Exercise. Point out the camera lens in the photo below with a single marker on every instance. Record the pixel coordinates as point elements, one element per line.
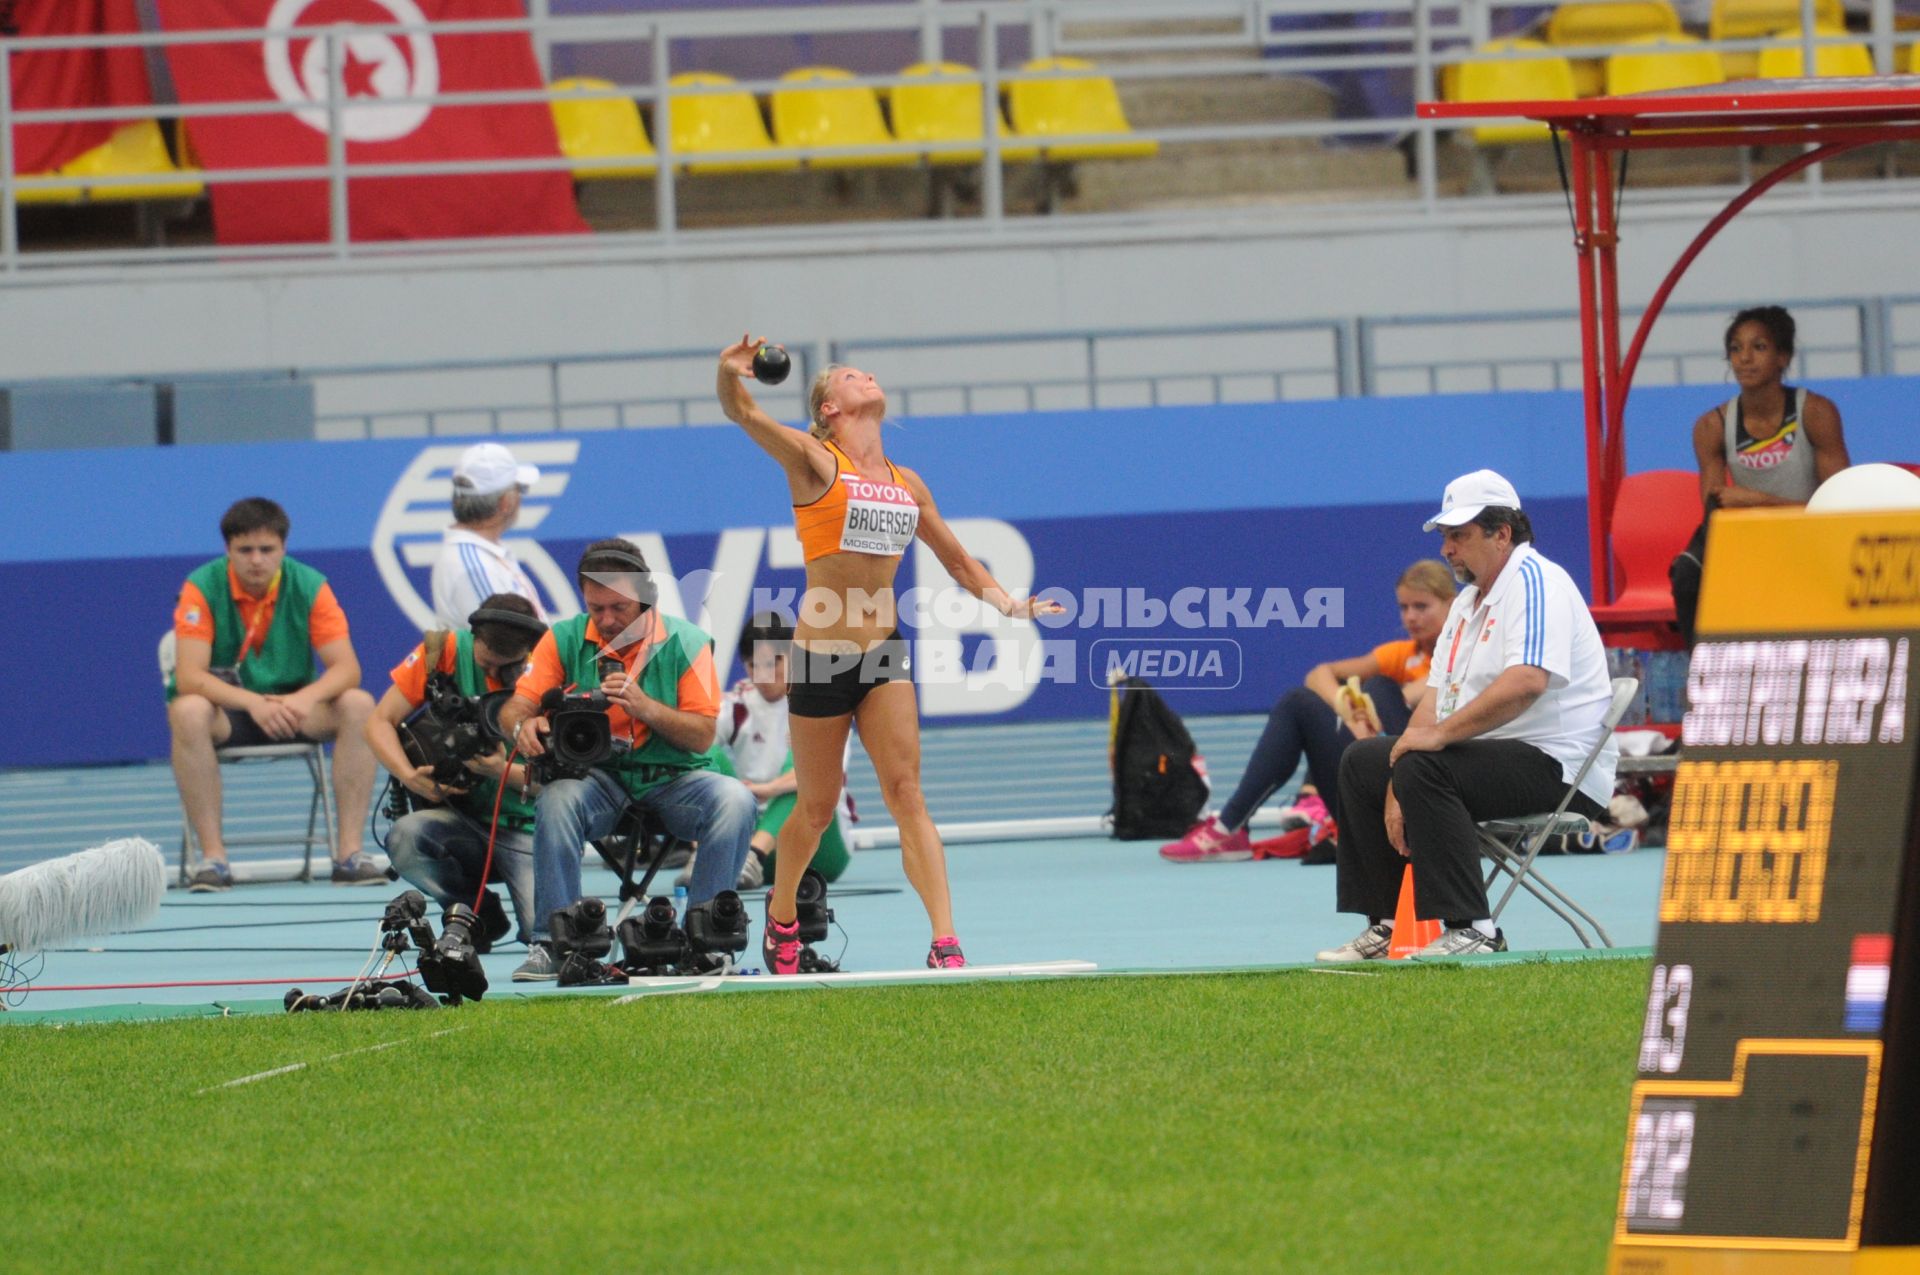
<point>658,920</point>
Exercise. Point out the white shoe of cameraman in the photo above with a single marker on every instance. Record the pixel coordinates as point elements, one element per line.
<point>539,967</point>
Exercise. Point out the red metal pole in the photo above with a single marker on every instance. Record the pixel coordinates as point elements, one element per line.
<point>1589,358</point>
<point>1700,241</point>
<point>1606,240</point>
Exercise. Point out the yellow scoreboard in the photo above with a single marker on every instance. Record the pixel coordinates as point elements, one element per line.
<point>1775,1121</point>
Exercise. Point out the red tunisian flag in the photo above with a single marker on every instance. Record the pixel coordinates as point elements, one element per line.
<point>374,66</point>
<point>49,79</point>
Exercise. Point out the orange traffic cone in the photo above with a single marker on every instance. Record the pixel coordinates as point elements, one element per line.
<point>1410,934</point>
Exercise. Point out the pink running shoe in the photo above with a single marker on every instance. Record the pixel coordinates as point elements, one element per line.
<point>1309,807</point>
<point>780,949</point>
<point>1208,842</point>
<point>945,954</point>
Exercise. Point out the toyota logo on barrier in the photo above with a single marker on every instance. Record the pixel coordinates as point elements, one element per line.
<point>373,66</point>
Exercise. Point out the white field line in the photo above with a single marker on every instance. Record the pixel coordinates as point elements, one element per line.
<point>300,1066</point>
<point>1315,969</point>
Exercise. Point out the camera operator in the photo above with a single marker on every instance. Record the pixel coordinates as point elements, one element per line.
<point>661,704</point>
<point>443,849</point>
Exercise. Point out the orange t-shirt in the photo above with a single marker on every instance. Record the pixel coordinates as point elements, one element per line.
<point>698,689</point>
<point>1403,661</point>
<point>410,675</point>
<point>193,618</point>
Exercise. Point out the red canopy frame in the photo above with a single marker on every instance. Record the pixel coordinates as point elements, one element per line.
<point>1830,117</point>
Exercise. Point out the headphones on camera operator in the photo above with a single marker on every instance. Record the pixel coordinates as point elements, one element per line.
<point>580,736</point>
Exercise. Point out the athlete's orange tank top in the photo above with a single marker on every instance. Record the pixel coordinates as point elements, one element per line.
<point>857,515</point>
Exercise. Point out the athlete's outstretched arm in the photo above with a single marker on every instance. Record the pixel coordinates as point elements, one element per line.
<point>799,453</point>
<point>966,569</point>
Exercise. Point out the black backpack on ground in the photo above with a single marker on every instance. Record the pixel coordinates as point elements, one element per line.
<point>1159,781</point>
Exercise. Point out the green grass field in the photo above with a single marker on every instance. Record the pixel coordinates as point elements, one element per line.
<point>1426,1120</point>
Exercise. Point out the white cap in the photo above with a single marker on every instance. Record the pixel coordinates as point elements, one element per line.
<point>1468,494</point>
<point>486,468</point>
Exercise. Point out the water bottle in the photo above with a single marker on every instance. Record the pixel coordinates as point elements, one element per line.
<point>680,903</point>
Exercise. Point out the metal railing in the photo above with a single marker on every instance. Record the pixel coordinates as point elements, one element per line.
<point>1418,38</point>
<point>967,374</point>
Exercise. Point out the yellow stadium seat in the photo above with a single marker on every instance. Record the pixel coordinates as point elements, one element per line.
<point>1750,19</point>
<point>713,122</point>
<point>603,136</point>
<point>1913,58</point>
<point>135,150</point>
<point>1512,80</point>
<point>1658,63</point>
<point>1086,104</point>
<point>846,116</point>
<point>946,106</point>
<point>1578,22</point>
<point>1788,61</point>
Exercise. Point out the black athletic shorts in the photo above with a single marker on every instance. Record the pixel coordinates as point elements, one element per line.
<point>824,685</point>
<point>246,732</point>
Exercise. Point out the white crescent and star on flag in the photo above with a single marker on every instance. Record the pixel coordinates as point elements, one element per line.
<point>374,66</point>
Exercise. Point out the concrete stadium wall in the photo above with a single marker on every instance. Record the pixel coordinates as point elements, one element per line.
<point>1205,268</point>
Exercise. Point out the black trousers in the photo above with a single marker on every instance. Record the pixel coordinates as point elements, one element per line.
<point>1442,795</point>
<point>1684,574</point>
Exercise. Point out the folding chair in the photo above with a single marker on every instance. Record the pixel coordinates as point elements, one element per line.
<point>1512,844</point>
<point>319,810</point>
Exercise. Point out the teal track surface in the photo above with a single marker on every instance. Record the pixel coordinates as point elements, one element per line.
<point>1114,903</point>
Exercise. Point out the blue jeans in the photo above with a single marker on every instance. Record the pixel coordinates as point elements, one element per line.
<point>703,806</point>
<point>442,851</point>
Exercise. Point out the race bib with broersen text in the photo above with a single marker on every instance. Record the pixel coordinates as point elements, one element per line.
<point>881,517</point>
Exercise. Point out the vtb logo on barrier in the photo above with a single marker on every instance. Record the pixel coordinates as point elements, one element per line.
<point>406,538</point>
<point>373,66</point>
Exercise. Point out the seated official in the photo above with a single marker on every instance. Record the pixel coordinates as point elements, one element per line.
<point>442,848</point>
<point>663,697</point>
<point>1517,698</point>
<point>247,627</point>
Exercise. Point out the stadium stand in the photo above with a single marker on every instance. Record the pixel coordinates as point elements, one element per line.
<point>1072,107</point>
<point>715,123</point>
<point>945,106</point>
<point>1491,77</point>
<point>604,136</point>
<point>830,117</point>
<point>1659,62</point>
<point>1789,61</point>
<point>1584,22</point>
<point>1749,19</point>
<point>135,150</point>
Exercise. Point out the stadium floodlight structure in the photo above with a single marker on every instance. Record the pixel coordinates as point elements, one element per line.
<point>1826,117</point>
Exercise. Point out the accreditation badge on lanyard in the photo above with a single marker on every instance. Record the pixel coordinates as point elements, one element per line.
<point>1450,688</point>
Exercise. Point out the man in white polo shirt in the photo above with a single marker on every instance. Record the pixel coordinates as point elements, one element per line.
<point>1519,695</point>
<point>473,564</point>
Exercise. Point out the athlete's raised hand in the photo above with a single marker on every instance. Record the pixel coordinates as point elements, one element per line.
<point>738,358</point>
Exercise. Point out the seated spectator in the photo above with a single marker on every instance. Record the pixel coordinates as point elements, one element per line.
<point>442,846</point>
<point>758,750</point>
<point>1769,445</point>
<point>1517,698</point>
<point>247,626</point>
<point>1309,720</point>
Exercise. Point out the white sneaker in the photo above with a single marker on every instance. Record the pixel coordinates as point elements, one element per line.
<point>1467,942</point>
<point>753,873</point>
<point>1371,944</point>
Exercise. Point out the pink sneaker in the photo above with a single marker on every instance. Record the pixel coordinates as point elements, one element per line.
<point>945,954</point>
<point>780,949</point>
<point>1208,842</point>
<point>1311,808</point>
